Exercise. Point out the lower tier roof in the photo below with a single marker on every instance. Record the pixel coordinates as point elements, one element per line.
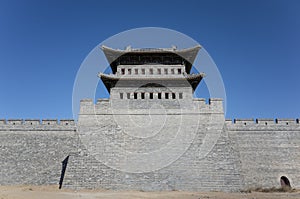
<point>110,81</point>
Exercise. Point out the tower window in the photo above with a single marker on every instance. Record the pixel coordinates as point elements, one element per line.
<point>128,95</point>
<point>121,95</point>
<point>166,95</point>
<point>143,71</point>
<point>159,95</point>
<point>151,71</point>
<point>173,96</point>
<point>179,70</point>
<point>172,71</point>
<point>136,71</point>
<point>180,95</point>
<point>143,95</point>
<point>123,71</point>
<point>159,71</point>
<point>151,96</point>
<point>129,71</point>
<point>166,71</point>
<point>135,95</point>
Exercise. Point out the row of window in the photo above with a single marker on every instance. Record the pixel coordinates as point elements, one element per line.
<point>151,71</point>
<point>151,95</point>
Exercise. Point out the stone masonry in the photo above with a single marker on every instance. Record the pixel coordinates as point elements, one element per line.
<point>151,134</point>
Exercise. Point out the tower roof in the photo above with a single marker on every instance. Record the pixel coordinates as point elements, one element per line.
<point>110,81</point>
<point>168,56</point>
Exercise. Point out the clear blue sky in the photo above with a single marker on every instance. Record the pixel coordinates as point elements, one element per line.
<point>255,44</point>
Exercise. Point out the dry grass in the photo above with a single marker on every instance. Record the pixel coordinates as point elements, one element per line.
<point>269,190</point>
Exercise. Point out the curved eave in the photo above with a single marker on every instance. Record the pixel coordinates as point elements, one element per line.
<point>110,81</point>
<point>189,54</point>
<point>112,54</point>
<point>195,79</point>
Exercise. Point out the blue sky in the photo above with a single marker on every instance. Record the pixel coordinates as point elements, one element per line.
<point>255,45</point>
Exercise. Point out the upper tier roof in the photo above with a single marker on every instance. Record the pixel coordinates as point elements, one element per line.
<point>168,56</point>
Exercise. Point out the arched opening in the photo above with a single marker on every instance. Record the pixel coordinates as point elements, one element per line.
<point>285,183</point>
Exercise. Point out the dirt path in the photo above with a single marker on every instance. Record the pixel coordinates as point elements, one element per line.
<point>50,192</point>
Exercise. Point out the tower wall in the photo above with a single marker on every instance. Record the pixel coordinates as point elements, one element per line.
<point>197,168</point>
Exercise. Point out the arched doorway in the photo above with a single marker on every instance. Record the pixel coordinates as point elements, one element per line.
<point>285,183</point>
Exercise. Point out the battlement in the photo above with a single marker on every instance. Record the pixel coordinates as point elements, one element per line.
<point>211,101</point>
<point>263,121</point>
<point>180,104</point>
<point>36,122</point>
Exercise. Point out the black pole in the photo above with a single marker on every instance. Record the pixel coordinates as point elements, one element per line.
<point>63,170</point>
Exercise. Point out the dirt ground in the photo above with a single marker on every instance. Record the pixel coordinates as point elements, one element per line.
<point>50,192</point>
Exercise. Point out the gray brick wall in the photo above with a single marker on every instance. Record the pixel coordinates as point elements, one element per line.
<point>201,166</point>
<point>247,153</point>
<point>267,150</point>
<point>32,153</point>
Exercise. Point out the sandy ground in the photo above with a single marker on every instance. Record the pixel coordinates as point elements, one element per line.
<point>50,192</point>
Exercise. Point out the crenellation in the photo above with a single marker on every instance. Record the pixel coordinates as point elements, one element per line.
<point>286,121</point>
<point>87,100</point>
<point>200,103</point>
<point>66,122</point>
<point>37,122</point>
<point>14,121</point>
<point>201,100</point>
<point>49,121</point>
<point>215,104</point>
<point>104,106</point>
<point>228,121</point>
<point>87,106</point>
<point>102,101</point>
<point>32,122</point>
<point>265,121</point>
<point>244,121</point>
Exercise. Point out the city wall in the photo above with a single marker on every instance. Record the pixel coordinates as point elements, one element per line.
<point>248,153</point>
<point>31,150</point>
<point>268,149</point>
